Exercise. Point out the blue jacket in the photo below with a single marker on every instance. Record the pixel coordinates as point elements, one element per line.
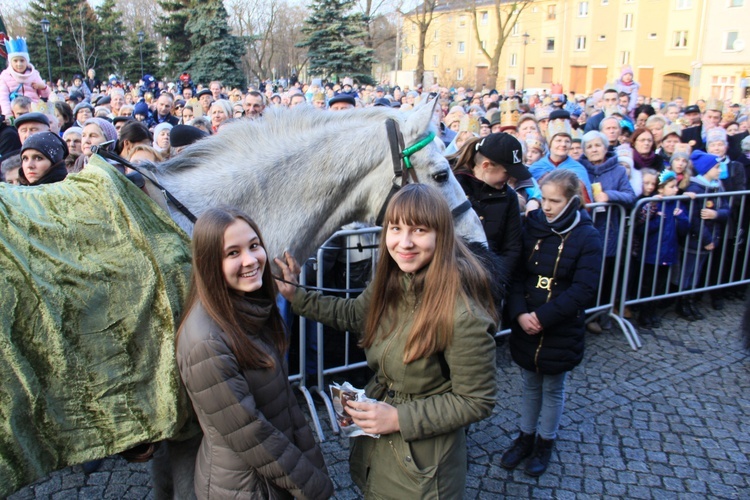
<point>545,165</point>
<point>614,180</point>
<point>673,227</point>
<point>571,262</point>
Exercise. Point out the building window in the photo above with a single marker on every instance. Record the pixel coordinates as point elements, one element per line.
<point>652,36</point>
<point>731,38</point>
<point>447,70</point>
<point>552,12</point>
<point>530,70</point>
<point>413,50</point>
<point>625,57</point>
<point>435,35</point>
<point>449,44</point>
<point>605,2</point>
<point>434,61</point>
<point>581,43</point>
<point>515,30</point>
<point>460,74</point>
<point>628,22</point>
<point>461,47</point>
<point>602,38</point>
<point>684,4</point>
<point>722,87</point>
<point>484,44</point>
<point>550,45</point>
<point>736,3</point>
<point>513,60</point>
<point>461,21</point>
<point>680,40</point>
<point>583,9</point>
<point>484,18</point>
<point>546,75</point>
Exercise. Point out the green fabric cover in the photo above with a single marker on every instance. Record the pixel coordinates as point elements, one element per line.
<point>93,276</point>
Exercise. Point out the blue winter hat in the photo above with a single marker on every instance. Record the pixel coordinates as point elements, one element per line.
<point>140,108</point>
<point>17,48</point>
<point>703,162</point>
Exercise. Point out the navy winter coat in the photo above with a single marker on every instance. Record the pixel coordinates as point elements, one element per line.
<point>673,227</point>
<point>560,301</point>
<point>706,231</point>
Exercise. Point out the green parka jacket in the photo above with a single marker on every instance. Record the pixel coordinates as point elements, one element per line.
<point>436,397</point>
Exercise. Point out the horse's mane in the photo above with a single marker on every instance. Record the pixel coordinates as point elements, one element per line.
<point>278,130</point>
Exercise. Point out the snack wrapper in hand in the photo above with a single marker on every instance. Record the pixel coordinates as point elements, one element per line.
<point>340,394</point>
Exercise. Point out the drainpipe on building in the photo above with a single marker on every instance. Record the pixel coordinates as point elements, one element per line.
<point>695,74</point>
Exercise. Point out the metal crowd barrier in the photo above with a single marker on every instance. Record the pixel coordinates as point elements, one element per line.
<point>725,266</point>
<point>610,304</point>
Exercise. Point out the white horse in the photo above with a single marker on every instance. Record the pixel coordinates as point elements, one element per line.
<point>302,173</point>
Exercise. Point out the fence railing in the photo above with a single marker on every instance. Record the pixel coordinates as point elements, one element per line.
<point>621,283</point>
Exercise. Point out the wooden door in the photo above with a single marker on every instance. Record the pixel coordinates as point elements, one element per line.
<point>598,78</point>
<point>482,72</point>
<point>577,79</point>
<point>646,80</point>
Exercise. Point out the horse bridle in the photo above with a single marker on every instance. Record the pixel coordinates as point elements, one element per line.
<point>403,168</point>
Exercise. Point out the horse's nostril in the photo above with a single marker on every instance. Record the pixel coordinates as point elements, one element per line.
<point>440,177</point>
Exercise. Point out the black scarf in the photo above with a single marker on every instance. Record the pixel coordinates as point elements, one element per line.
<point>539,226</point>
<point>57,173</point>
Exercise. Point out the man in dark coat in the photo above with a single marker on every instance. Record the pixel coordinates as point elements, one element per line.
<point>9,141</point>
<point>696,136</point>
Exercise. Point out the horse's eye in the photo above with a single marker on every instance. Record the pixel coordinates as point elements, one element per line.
<point>440,177</point>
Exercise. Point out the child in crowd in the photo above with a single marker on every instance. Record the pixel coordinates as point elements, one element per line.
<point>680,164</point>
<point>707,217</point>
<point>659,225</point>
<point>533,149</point>
<point>576,149</point>
<point>20,77</point>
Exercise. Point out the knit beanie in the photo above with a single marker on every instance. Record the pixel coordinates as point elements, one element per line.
<point>141,108</point>
<point>716,134</point>
<point>80,106</point>
<point>72,130</point>
<point>49,144</point>
<point>703,162</point>
<point>108,130</point>
<point>625,154</point>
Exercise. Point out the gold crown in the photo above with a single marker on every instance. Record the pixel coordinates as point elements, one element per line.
<point>556,127</point>
<point>715,105</point>
<point>683,148</point>
<point>469,124</point>
<point>509,113</point>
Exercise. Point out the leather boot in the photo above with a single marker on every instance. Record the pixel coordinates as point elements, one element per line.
<point>693,305</point>
<point>540,459</point>
<point>520,449</point>
<point>682,308</point>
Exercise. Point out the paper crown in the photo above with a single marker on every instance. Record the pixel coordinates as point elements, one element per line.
<point>469,124</point>
<point>666,176</point>
<point>673,128</point>
<point>729,116</point>
<point>547,101</point>
<point>509,113</point>
<point>17,48</point>
<point>683,148</point>
<point>715,105</point>
<point>557,127</point>
<point>542,113</point>
<point>624,151</point>
<point>534,141</point>
<point>716,134</point>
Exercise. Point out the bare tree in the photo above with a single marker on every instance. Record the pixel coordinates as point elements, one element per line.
<point>422,16</point>
<point>506,16</point>
<point>80,28</point>
<point>145,12</point>
<point>15,16</point>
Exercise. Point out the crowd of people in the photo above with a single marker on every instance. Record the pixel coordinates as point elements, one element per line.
<point>528,164</point>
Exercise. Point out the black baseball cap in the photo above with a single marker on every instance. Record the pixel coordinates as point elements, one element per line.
<point>692,109</point>
<point>505,150</point>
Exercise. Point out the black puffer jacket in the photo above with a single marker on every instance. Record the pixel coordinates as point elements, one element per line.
<point>560,306</point>
<point>501,218</point>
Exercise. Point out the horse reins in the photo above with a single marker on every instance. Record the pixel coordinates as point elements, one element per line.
<point>98,149</point>
<point>401,157</point>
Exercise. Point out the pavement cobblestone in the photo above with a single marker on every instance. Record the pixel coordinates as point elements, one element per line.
<point>665,422</point>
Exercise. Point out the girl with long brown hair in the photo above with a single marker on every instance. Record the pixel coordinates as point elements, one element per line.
<point>230,350</point>
<point>427,323</point>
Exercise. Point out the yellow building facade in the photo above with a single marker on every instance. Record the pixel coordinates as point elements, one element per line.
<point>583,45</point>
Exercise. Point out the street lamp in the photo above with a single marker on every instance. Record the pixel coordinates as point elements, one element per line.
<point>523,70</point>
<point>58,40</point>
<point>45,30</point>
<point>141,34</point>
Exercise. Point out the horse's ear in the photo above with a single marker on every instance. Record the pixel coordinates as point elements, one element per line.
<point>425,116</point>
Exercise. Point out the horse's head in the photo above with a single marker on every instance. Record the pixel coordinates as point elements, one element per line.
<point>431,167</point>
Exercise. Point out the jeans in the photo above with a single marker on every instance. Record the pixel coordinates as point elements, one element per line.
<point>543,402</point>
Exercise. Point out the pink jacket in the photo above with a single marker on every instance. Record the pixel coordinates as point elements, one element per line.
<point>9,82</point>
